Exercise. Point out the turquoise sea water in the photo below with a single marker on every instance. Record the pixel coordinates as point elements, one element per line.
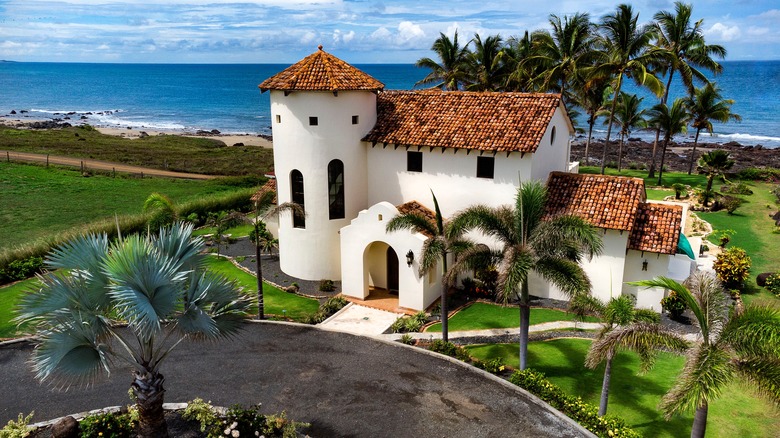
<point>226,97</point>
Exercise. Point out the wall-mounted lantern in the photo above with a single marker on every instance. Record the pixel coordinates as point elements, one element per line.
<point>409,258</point>
<point>644,265</point>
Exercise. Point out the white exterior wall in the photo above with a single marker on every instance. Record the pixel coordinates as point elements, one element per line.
<point>657,265</point>
<point>451,176</point>
<point>363,254</point>
<point>313,253</point>
<point>552,156</point>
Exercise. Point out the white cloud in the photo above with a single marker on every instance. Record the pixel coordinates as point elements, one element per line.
<point>408,31</point>
<point>722,32</point>
<point>349,36</point>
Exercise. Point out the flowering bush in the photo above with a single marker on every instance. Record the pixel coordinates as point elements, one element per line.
<point>772,284</point>
<point>493,366</point>
<point>450,349</point>
<point>107,425</point>
<point>241,422</point>
<point>674,304</point>
<point>576,409</point>
<point>732,267</point>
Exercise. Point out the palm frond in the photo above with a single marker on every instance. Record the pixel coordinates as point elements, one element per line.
<point>474,257</point>
<point>412,221</point>
<point>84,253</point>
<point>642,338</point>
<point>431,254</point>
<point>176,242</point>
<point>706,372</point>
<point>584,304</point>
<point>754,332</point>
<point>567,275</point>
<point>763,373</point>
<point>516,263</point>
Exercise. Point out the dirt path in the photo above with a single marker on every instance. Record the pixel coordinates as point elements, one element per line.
<point>86,164</point>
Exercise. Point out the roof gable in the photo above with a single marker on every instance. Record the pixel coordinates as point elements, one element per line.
<point>604,201</point>
<point>321,71</point>
<point>414,207</point>
<point>656,228</point>
<point>498,122</point>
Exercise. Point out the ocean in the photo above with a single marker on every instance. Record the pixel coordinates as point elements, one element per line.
<point>225,97</point>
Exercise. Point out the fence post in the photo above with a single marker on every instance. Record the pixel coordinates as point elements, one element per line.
<point>8,156</point>
<point>47,160</point>
<point>142,175</point>
<point>114,172</point>
<point>82,167</point>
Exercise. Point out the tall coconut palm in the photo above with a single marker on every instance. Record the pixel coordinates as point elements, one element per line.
<point>264,208</point>
<point>487,67</point>
<point>155,284</point>
<point>714,164</point>
<point>706,104</point>
<point>530,244</point>
<point>564,52</point>
<point>437,248</point>
<point>683,50</point>
<point>628,116</point>
<point>450,71</point>
<point>671,121</point>
<point>625,328</point>
<point>592,97</point>
<point>521,72</point>
<point>734,345</point>
<point>626,51</point>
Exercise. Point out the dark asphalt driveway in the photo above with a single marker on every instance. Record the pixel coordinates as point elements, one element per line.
<point>344,385</point>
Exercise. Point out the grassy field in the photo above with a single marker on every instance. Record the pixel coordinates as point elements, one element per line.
<point>38,201</point>
<point>277,302</point>
<point>737,413</point>
<point>482,316</point>
<point>171,152</point>
<point>9,296</point>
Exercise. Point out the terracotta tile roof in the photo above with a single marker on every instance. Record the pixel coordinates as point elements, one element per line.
<point>656,228</point>
<point>604,201</point>
<point>501,122</point>
<point>321,71</point>
<point>416,207</point>
<point>268,187</point>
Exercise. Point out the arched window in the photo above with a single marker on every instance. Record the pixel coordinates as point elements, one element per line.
<point>336,189</point>
<point>296,186</point>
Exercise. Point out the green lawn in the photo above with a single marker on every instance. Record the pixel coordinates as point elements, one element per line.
<point>669,178</point>
<point>237,231</point>
<point>276,301</point>
<point>482,316</point>
<point>38,201</point>
<point>737,413</point>
<point>9,296</point>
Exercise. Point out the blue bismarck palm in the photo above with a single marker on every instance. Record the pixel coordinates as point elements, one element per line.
<point>550,248</point>
<point>154,284</point>
<point>734,345</point>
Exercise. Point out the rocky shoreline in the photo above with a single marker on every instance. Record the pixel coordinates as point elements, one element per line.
<point>637,154</point>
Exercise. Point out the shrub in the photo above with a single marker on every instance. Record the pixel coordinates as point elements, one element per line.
<point>200,411</point>
<point>450,349</point>
<point>21,269</point>
<point>241,421</point>
<point>739,188</point>
<point>732,267</point>
<point>731,203</point>
<point>493,366</point>
<point>756,174</point>
<point>406,324</point>
<point>679,190</point>
<point>327,285</point>
<point>585,414</point>
<point>772,284</point>
<point>407,339</point>
<point>17,429</point>
<point>674,304</point>
<point>107,425</point>
<point>326,309</point>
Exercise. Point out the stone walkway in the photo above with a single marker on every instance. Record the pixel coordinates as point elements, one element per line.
<point>360,320</point>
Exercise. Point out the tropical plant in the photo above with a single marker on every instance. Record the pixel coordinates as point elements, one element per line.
<point>592,95</point>
<point>221,221</point>
<point>705,105</point>
<point>450,72</point>
<point>714,164</point>
<point>487,69</point>
<point>772,284</point>
<point>437,248</point>
<point>628,115</point>
<point>674,305</point>
<point>732,267</point>
<point>743,344</point>
<point>626,52</point>
<point>522,72</point>
<point>162,210</point>
<point>155,284</point>
<point>682,49</point>
<point>672,121</point>
<point>550,248</point>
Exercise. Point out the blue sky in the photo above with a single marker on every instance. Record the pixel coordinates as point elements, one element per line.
<point>359,31</point>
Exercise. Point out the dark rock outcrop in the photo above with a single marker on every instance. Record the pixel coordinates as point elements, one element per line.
<point>67,427</point>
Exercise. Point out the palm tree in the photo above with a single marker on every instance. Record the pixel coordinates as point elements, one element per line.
<point>156,284</point>
<point>706,105</point>
<point>591,96</point>
<point>487,69</point>
<point>439,245</point>
<point>563,52</point>
<point>683,50</point>
<point>671,121</point>
<point>714,164</point>
<point>626,52</point>
<point>550,248</point>
<point>735,344</point>
<point>162,210</point>
<point>625,327</point>
<point>628,116</point>
<point>450,72</point>
<point>263,210</point>
<point>522,72</point>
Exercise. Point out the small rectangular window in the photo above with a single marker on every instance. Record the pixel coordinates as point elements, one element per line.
<point>278,118</point>
<point>313,121</point>
<point>485,167</point>
<point>413,161</point>
<point>354,120</point>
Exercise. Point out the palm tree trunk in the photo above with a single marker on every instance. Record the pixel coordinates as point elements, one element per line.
<point>693,153</point>
<point>620,153</point>
<point>525,317</point>
<point>699,422</point>
<point>663,158</point>
<point>591,122</point>
<point>445,315</point>
<point>651,174</point>
<point>605,387</point>
<point>259,270</point>
<point>611,119</point>
<point>149,393</point>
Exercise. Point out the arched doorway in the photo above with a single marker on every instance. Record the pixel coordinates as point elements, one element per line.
<point>392,271</point>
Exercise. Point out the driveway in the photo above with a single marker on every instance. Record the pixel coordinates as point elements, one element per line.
<point>345,385</point>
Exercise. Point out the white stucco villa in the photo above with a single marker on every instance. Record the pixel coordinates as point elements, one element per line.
<point>355,155</point>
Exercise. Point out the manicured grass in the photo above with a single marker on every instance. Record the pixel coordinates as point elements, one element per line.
<point>669,178</point>
<point>737,413</point>
<point>9,296</point>
<point>482,316</point>
<point>38,201</point>
<point>276,301</point>
<point>171,152</point>
<point>237,231</point>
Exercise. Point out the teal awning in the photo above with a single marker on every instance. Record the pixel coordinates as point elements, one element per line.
<point>684,247</point>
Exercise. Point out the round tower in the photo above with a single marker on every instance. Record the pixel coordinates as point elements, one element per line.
<point>321,108</point>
